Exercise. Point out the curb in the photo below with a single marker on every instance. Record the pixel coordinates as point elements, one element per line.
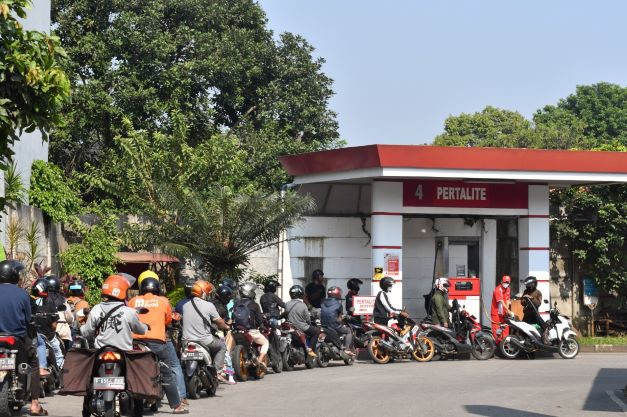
<point>603,348</point>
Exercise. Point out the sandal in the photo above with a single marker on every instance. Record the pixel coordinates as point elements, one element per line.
<point>181,409</point>
<point>40,412</point>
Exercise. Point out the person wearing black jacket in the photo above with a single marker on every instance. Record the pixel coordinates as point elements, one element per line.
<point>383,310</point>
<point>248,293</point>
<point>46,318</point>
<point>270,303</point>
<point>353,285</point>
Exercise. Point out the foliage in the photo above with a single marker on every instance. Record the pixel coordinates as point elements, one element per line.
<point>617,340</point>
<point>207,76</point>
<point>594,219</point>
<point>93,259</point>
<point>176,295</point>
<point>13,188</point>
<point>54,194</point>
<point>33,86</point>
<point>15,230</point>
<point>261,279</point>
<point>31,237</point>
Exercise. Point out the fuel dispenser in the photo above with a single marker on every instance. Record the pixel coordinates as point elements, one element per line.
<point>467,292</point>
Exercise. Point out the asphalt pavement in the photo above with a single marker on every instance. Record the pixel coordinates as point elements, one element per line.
<point>590,385</point>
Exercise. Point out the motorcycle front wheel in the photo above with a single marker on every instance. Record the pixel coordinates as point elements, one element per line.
<point>429,352</point>
<point>508,348</point>
<point>285,357</point>
<point>483,347</point>
<point>323,357</point>
<point>377,351</point>
<point>194,386</point>
<point>568,348</point>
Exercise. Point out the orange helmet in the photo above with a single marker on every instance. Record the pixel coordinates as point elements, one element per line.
<point>115,286</point>
<point>506,279</point>
<point>202,289</point>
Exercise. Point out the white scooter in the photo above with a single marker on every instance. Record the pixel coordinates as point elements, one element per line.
<point>553,335</point>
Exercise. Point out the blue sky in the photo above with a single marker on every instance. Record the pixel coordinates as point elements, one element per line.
<point>401,67</point>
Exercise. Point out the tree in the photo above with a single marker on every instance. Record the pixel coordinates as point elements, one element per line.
<point>206,68</point>
<point>33,86</point>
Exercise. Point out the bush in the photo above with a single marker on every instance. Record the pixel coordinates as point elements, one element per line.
<point>52,192</point>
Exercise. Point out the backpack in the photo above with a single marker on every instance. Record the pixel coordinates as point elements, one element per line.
<point>242,314</point>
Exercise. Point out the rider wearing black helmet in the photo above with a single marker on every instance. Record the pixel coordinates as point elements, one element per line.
<point>315,291</point>
<point>66,318</point>
<point>297,313</point>
<point>353,285</point>
<point>331,315</point>
<point>15,316</point>
<point>533,298</point>
<point>383,310</point>
<point>254,320</point>
<point>270,302</point>
<point>187,290</point>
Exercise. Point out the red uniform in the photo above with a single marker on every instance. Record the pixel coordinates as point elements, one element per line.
<point>500,300</point>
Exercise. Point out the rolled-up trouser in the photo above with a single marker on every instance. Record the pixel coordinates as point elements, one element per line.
<point>42,353</point>
<point>312,333</point>
<point>260,339</point>
<point>169,377</point>
<point>175,365</point>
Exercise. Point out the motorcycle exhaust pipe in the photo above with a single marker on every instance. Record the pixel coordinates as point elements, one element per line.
<point>387,345</point>
<point>518,344</point>
<point>24,369</point>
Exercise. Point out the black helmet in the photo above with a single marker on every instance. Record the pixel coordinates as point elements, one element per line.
<point>189,283</point>
<point>271,286</point>
<point>150,285</point>
<point>334,292</point>
<point>40,288</point>
<point>317,274</point>
<point>248,290</point>
<point>10,271</point>
<point>77,288</point>
<point>229,282</point>
<point>54,285</point>
<point>297,292</point>
<point>354,284</point>
<point>224,293</point>
<point>531,283</point>
<point>386,283</point>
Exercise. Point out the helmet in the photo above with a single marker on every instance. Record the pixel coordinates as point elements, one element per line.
<point>146,274</point>
<point>202,289</point>
<point>317,274</point>
<point>128,277</point>
<point>248,290</point>
<point>54,285</point>
<point>386,284</point>
<point>442,284</point>
<point>334,292</point>
<point>354,284</point>
<point>506,279</point>
<point>149,285</point>
<point>40,288</point>
<point>531,282</point>
<point>225,293</point>
<point>10,271</point>
<point>189,283</point>
<point>229,282</point>
<point>77,288</point>
<point>271,286</point>
<point>115,286</point>
<point>296,291</point>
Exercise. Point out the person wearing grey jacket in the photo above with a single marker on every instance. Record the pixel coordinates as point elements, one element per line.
<point>297,313</point>
<point>118,330</point>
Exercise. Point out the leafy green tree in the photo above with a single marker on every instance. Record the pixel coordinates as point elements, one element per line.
<point>33,86</point>
<point>203,68</point>
<point>52,192</point>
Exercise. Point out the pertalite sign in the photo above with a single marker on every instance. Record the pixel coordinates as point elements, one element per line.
<point>429,193</point>
<point>364,306</point>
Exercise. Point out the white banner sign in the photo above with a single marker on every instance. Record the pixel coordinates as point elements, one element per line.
<point>363,306</point>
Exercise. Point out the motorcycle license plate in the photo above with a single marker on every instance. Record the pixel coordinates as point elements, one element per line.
<point>109,383</point>
<point>192,356</point>
<point>7,364</point>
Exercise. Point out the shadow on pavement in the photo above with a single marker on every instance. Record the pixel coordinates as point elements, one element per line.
<point>496,411</point>
<point>607,379</point>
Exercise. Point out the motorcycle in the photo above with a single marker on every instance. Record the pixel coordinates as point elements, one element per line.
<point>274,350</point>
<point>403,339</point>
<point>14,376</point>
<point>294,347</point>
<point>54,379</point>
<point>467,335</point>
<point>557,335</point>
<point>200,372</point>
<point>361,332</point>
<point>332,348</point>
<point>245,356</point>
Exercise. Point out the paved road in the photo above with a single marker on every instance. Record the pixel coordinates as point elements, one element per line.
<point>538,388</point>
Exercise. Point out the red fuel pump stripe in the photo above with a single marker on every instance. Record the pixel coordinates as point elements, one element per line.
<point>387,247</point>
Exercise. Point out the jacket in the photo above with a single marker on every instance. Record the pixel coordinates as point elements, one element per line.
<point>159,315</point>
<point>118,329</point>
<point>382,307</point>
<point>270,303</point>
<point>297,313</point>
<point>330,313</point>
<point>440,308</point>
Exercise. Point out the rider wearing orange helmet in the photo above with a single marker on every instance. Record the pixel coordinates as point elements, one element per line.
<point>500,309</point>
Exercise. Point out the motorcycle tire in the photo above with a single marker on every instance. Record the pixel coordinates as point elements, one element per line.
<point>213,379</point>
<point>239,363</point>
<point>309,362</point>
<point>420,356</point>
<point>5,408</point>
<point>277,362</point>
<point>570,351</point>
<point>483,347</point>
<point>194,386</point>
<point>377,353</point>
<point>349,361</point>
<point>323,357</point>
<point>285,358</point>
<point>507,349</point>
<point>109,409</point>
<point>258,371</point>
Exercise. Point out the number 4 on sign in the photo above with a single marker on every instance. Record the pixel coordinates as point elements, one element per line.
<point>418,192</point>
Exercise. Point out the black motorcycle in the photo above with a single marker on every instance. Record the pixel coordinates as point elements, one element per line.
<point>331,347</point>
<point>14,376</point>
<point>200,371</point>
<point>294,347</point>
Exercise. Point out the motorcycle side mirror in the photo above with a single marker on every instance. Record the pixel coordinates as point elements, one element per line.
<point>61,307</point>
<point>546,301</point>
<point>142,310</point>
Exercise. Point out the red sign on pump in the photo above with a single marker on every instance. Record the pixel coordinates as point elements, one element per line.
<point>430,193</point>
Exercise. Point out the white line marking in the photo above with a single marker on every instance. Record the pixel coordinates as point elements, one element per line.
<point>617,400</point>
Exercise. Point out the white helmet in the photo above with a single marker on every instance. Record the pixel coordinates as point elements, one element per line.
<point>442,284</point>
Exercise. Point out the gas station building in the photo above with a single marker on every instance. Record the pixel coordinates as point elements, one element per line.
<point>412,212</point>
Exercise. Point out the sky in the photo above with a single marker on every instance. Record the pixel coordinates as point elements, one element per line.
<point>400,68</point>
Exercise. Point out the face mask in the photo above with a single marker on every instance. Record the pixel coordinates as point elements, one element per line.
<point>505,285</point>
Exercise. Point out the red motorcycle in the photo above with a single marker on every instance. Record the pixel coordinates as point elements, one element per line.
<point>294,347</point>
<point>401,340</point>
<point>245,356</point>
